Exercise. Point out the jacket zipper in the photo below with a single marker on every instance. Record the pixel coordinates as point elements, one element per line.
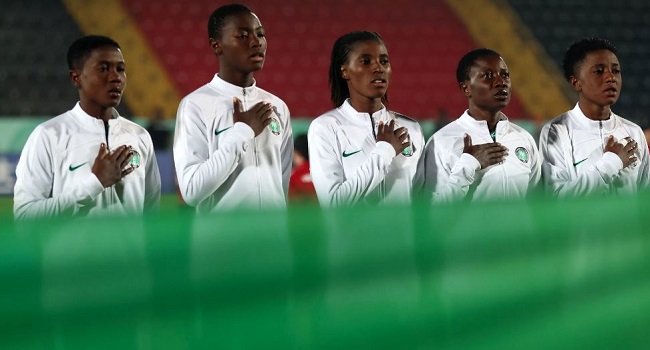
<point>257,170</point>
<point>372,126</point>
<point>600,127</point>
<point>106,133</point>
<point>382,186</point>
<point>110,189</point>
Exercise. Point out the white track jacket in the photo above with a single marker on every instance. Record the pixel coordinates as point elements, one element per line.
<point>221,165</point>
<point>450,174</point>
<point>574,163</point>
<point>54,174</point>
<point>347,164</point>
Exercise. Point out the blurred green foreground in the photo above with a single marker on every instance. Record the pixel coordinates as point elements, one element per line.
<point>537,275</point>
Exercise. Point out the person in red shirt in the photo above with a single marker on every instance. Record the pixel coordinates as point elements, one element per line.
<point>301,187</point>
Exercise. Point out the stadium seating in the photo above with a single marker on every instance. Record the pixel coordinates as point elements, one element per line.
<point>557,23</point>
<point>424,38</point>
<point>34,36</point>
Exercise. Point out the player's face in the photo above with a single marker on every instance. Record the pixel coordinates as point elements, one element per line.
<point>367,71</point>
<point>101,80</point>
<point>598,79</point>
<point>242,46</point>
<point>488,87</point>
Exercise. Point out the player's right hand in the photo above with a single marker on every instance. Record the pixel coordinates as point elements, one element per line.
<point>111,167</point>
<point>624,152</point>
<point>487,153</point>
<point>258,117</point>
<point>398,138</point>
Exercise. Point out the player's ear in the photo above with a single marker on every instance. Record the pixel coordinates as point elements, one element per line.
<point>344,72</point>
<point>575,83</point>
<point>464,87</point>
<point>74,78</point>
<point>216,46</point>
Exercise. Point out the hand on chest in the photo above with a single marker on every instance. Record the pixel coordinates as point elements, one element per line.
<point>77,159</point>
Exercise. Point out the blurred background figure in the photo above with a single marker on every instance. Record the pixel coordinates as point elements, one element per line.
<point>301,187</point>
<point>159,130</point>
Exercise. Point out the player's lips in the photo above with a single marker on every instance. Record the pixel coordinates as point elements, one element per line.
<point>611,90</point>
<point>380,82</point>
<point>257,57</point>
<point>501,94</point>
<point>115,92</point>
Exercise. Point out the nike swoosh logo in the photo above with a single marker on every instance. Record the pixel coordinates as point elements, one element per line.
<point>576,164</point>
<point>345,155</point>
<point>73,168</point>
<point>217,132</point>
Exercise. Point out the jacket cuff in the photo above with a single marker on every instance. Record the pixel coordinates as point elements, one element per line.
<point>466,167</point>
<point>609,166</point>
<point>241,132</point>
<point>92,186</point>
<point>468,161</point>
<point>385,151</point>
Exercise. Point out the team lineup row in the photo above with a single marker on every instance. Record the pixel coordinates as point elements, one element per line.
<point>233,141</point>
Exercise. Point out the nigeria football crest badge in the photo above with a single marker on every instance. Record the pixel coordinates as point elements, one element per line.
<point>522,154</point>
<point>408,151</point>
<point>135,159</point>
<point>274,126</point>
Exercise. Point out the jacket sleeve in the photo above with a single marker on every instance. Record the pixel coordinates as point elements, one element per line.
<point>644,162</point>
<point>35,180</point>
<point>287,152</point>
<point>333,186</point>
<point>152,179</point>
<point>200,171</point>
<point>558,171</point>
<point>448,176</point>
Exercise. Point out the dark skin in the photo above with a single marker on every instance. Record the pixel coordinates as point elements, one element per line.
<point>241,50</point>
<point>101,81</point>
<point>367,73</point>
<point>488,92</point>
<point>598,82</point>
<point>398,138</point>
<point>624,152</point>
<point>111,167</point>
<point>258,117</point>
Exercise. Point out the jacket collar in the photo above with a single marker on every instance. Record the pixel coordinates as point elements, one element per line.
<point>359,118</point>
<point>470,123</point>
<point>90,122</point>
<point>231,90</point>
<point>607,125</point>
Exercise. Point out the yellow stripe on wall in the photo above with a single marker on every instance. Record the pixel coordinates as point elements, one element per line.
<point>149,88</point>
<point>536,79</point>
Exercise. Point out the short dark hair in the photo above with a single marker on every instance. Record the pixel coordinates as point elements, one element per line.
<point>81,48</point>
<point>218,18</point>
<point>467,61</point>
<point>340,51</point>
<point>578,50</point>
